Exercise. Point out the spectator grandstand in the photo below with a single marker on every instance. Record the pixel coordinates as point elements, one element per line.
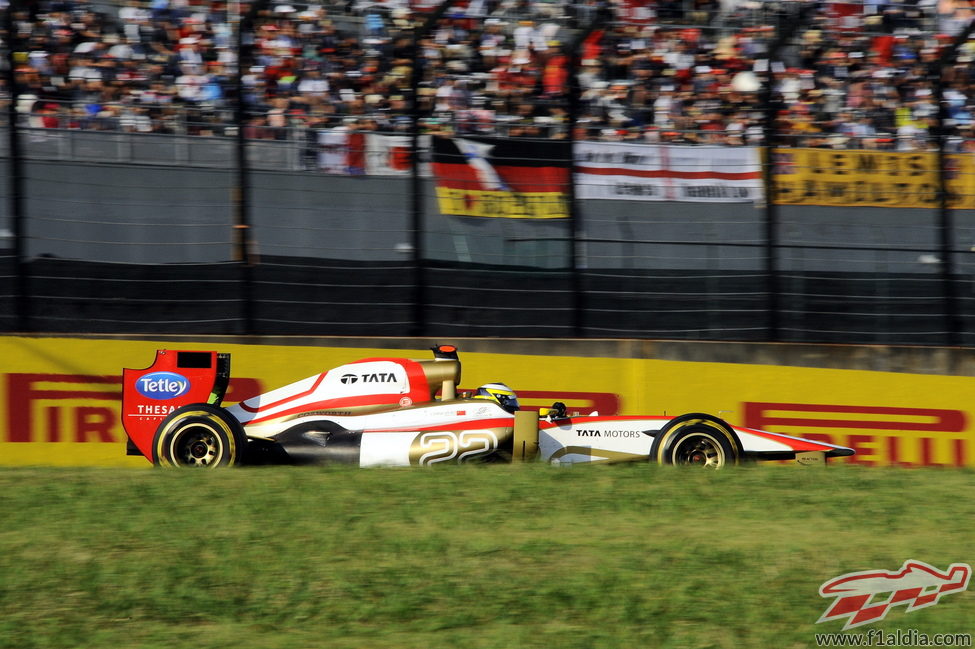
<point>857,74</point>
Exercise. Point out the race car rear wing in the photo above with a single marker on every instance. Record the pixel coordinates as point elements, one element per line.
<point>175,379</point>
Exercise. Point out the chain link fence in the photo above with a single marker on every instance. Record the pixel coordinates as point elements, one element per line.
<point>647,196</point>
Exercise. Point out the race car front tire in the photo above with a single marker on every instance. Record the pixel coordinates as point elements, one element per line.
<point>696,440</point>
<point>199,435</point>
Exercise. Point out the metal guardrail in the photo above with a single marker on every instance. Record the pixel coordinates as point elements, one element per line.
<point>68,145</point>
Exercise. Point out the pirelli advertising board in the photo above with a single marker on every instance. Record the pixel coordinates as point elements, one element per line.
<point>60,398</point>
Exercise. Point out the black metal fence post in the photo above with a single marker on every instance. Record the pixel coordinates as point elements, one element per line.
<point>16,178</point>
<point>575,280</point>
<point>419,326</point>
<point>786,26</point>
<point>241,193</point>
<point>601,17</point>
<point>772,322</point>
<point>945,223</point>
<point>953,326</point>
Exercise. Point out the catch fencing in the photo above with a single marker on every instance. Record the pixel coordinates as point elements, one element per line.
<point>447,223</point>
<point>650,241</point>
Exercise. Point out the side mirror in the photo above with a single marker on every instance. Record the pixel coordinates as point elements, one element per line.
<point>557,411</point>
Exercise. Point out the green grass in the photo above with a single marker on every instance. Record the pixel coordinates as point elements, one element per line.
<point>468,557</point>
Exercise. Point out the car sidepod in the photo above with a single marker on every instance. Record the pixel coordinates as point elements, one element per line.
<point>445,432</point>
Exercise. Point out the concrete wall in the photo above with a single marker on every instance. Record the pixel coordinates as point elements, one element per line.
<point>141,214</point>
<point>165,214</point>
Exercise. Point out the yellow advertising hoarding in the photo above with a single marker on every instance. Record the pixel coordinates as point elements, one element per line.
<point>59,398</point>
<point>870,178</point>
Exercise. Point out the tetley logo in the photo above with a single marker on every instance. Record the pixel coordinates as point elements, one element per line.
<point>162,385</point>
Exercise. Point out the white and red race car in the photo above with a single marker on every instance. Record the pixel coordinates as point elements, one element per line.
<point>402,412</point>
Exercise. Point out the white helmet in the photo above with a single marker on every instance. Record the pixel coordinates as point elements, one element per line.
<point>500,394</point>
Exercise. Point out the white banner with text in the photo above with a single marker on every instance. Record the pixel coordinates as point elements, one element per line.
<point>658,172</point>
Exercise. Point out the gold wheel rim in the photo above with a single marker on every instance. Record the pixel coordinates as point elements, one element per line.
<point>196,445</point>
<point>699,450</point>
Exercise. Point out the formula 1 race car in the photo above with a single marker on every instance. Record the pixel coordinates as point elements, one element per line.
<point>387,412</point>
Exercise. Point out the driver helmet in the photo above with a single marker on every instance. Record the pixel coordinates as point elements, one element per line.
<point>500,394</point>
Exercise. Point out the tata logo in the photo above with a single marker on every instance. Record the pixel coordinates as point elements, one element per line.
<point>608,433</point>
<point>162,385</point>
<point>379,377</point>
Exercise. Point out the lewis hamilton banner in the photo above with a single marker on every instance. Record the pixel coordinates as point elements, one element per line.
<point>658,172</point>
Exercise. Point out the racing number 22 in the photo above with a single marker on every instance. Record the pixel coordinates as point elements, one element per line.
<point>448,446</point>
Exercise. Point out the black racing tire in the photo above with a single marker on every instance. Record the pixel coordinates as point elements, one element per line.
<point>199,435</point>
<point>697,439</point>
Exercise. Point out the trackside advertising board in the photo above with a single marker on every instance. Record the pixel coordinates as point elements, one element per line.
<point>59,398</point>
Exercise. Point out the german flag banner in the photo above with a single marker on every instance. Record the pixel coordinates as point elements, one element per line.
<point>508,178</point>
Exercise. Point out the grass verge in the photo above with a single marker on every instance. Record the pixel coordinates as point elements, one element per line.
<point>475,557</point>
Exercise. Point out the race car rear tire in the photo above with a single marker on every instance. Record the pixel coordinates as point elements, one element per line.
<point>199,435</point>
<point>696,439</point>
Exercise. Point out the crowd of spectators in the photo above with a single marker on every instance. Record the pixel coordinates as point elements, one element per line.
<point>688,71</point>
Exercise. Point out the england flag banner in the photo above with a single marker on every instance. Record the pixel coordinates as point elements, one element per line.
<point>662,172</point>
